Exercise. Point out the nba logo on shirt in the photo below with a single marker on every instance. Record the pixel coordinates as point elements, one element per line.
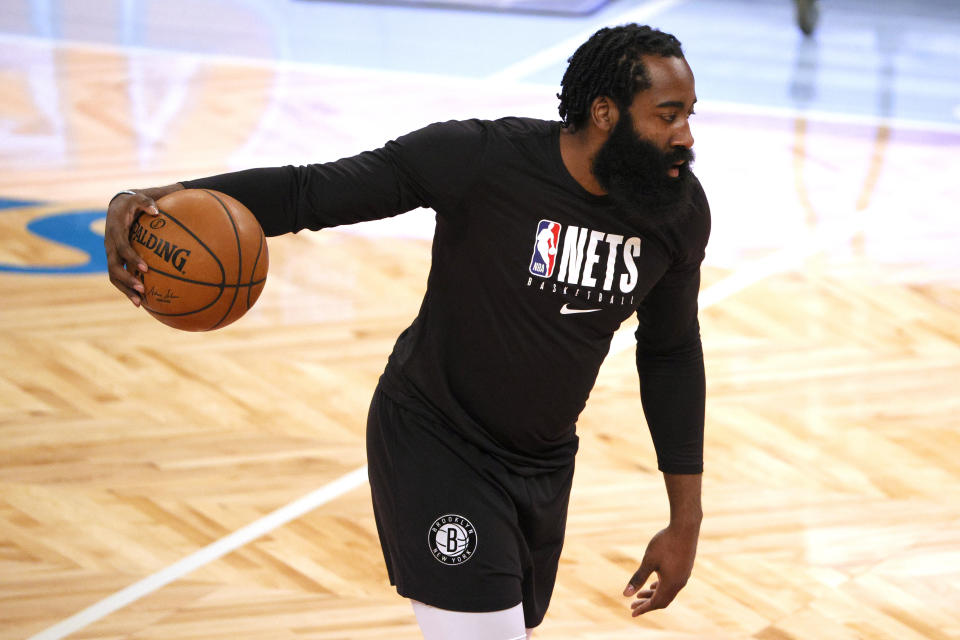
<point>545,249</point>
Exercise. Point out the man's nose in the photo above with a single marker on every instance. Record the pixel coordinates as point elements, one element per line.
<point>683,137</point>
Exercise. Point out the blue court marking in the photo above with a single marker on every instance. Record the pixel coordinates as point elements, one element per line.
<point>7,203</point>
<point>71,228</point>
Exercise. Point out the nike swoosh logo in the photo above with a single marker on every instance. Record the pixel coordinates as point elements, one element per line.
<point>566,310</point>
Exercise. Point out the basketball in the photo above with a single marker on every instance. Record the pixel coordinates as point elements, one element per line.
<point>206,256</point>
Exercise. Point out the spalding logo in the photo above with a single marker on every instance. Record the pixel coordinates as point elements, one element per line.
<point>168,252</point>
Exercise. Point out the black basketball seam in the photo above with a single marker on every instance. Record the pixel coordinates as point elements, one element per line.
<point>253,270</point>
<point>236,235</point>
<point>205,284</point>
<point>223,274</point>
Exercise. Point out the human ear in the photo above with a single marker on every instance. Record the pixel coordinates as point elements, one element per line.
<point>604,113</point>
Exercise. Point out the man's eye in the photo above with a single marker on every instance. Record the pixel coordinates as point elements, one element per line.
<point>669,117</point>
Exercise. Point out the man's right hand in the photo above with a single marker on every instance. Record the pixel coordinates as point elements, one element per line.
<point>122,259</point>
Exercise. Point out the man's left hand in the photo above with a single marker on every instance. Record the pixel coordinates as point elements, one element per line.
<point>670,555</point>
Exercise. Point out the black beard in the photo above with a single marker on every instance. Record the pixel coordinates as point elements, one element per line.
<point>633,171</point>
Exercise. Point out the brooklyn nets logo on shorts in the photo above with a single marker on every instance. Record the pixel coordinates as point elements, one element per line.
<point>452,539</point>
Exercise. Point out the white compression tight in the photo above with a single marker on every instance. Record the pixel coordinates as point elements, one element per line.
<point>440,624</point>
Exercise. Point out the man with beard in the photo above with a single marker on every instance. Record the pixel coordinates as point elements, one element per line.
<point>471,434</point>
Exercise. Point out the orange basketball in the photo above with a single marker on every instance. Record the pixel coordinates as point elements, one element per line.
<point>207,259</point>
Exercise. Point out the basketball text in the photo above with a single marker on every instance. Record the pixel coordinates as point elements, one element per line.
<point>176,256</point>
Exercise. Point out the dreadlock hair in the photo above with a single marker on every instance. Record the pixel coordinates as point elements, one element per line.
<point>609,64</point>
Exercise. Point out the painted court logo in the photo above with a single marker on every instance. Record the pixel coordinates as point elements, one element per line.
<point>545,248</point>
<point>452,539</point>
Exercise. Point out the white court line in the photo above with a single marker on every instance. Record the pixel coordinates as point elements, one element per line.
<point>737,281</point>
<point>541,60</point>
<point>734,283</point>
<point>564,49</point>
<point>830,117</point>
<point>442,80</point>
<point>205,555</point>
<point>755,271</point>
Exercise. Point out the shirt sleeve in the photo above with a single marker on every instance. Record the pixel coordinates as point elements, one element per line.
<point>670,355</point>
<point>670,366</point>
<point>430,167</point>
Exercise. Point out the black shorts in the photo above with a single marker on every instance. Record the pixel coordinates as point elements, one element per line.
<point>459,531</point>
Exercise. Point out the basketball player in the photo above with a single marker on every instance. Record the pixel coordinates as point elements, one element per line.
<point>471,433</point>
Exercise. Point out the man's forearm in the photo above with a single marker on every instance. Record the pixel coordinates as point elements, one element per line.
<point>683,492</point>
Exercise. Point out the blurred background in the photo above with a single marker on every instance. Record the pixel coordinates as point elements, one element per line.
<point>830,313</point>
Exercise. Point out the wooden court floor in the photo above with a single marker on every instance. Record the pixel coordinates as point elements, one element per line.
<point>831,324</point>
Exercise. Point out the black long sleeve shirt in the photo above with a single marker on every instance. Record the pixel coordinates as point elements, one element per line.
<point>531,276</point>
